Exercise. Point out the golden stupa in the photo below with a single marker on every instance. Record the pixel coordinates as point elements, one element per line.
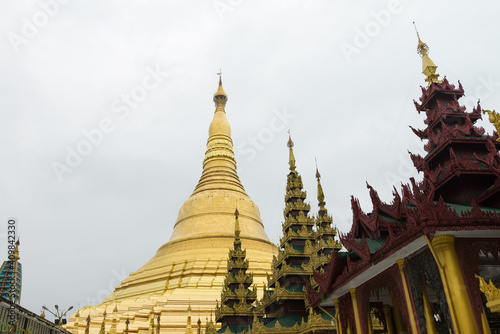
<point>189,270</point>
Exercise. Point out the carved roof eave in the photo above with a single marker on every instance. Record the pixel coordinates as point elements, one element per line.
<point>489,193</point>
<point>418,161</point>
<point>474,219</point>
<point>436,116</point>
<point>443,87</point>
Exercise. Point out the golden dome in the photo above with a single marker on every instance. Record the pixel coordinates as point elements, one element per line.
<point>192,265</point>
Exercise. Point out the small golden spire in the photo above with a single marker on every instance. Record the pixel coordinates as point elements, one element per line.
<point>16,251</point>
<point>291,160</point>
<point>87,326</point>
<point>237,230</point>
<point>220,97</point>
<point>43,314</point>
<point>126,325</point>
<point>189,329</point>
<point>321,195</point>
<point>428,66</point>
<point>103,324</point>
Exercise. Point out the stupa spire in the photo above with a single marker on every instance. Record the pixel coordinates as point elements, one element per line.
<point>87,326</point>
<point>321,195</point>
<point>236,307</point>
<point>237,230</point>
<point>103,324</point>
<point>189,328</point>
<point>219,164</point>
<point>428,66</point>
<point>291,160</point>
<point>75,326</point>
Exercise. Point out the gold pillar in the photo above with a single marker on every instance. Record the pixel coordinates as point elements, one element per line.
<point>399,324</point>
<point>411,315</point>
<point>388,319</point>
<point>349,327</point>
<point>444,246</point>
<point>429,317</point>
<point>356,310</point>
<point>337,316</point>
<point>484,321</point>
<point>369,319</point>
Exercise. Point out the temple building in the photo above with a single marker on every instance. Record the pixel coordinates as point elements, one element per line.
<point>191,268</point>
<point>413,264</point>
<point>11,277</point>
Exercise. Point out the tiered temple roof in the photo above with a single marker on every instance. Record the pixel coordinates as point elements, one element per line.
<point>236,310</point>
<point>303,248</point>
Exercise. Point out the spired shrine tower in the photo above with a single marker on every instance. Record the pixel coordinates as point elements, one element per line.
<point>189,270</point>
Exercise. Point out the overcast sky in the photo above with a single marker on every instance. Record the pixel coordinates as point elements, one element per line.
<point>341,75</point>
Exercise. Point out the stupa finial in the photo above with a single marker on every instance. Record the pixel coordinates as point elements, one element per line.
<point>428,66</point>
<point>291,160</point>
<point>237,230</point>
<point>220,97</point>
<point>321,195</point>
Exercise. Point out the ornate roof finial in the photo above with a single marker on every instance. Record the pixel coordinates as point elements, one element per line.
<point>428,66</point>
<point>189,329</point>
<point>87,326</point>
<point>220,97</point>
<point>16,251</point>
<point>237,230</point>
<point>321,195</point>
<point>291,160</point>
<point>103,324</point>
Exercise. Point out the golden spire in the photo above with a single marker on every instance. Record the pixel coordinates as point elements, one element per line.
<point>43,314</point>
<point>87,327</point>
<point>219,164</point>
<point>220,125</point>
<point>77,318</point>
<point>189,329</point>
<point>151,324</point>
<point>112,330</point>
<point>428,66</point>
<point>321,195</point>
<point>237,230</point>
<point>16,251</point>
<point>103,324</point>
<point>291,160</point>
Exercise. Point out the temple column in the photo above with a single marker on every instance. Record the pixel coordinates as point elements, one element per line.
<point>369,319</point>
<point>349,327</point>
<point>388,319</point>
<point>429,317</point>
<point>411,314</point>
<point>337,316</point>
<point>399,324</point>
<point>356,310</point>
<point>484,322</point>
<point>444,247</point>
